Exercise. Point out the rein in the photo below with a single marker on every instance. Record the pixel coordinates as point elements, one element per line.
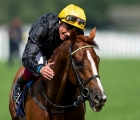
<point>84,93</point>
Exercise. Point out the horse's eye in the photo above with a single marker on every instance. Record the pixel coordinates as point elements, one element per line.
<point>79,63</point>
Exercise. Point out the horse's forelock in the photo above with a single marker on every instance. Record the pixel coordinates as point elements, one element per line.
<point>88,40</point>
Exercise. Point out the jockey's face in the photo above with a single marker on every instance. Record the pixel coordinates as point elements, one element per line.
<point>64,31</point>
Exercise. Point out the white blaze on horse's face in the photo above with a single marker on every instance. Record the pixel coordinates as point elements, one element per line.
<point>94,70</point>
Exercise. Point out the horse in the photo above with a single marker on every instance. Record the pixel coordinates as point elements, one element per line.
<point>76,81</point>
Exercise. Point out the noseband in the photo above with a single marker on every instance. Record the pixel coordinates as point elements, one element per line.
<point>85,91</point>
<point>84,95</point>
<point>82,82</point>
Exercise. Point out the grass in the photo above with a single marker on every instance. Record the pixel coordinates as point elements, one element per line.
<point>120,79</point>
<point>7,73</point>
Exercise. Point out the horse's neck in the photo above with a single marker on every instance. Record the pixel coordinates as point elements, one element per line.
<point>60,91</point>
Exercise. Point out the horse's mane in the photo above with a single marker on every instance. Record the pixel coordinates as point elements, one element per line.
<point>57,50</point>
<point>83,38</point>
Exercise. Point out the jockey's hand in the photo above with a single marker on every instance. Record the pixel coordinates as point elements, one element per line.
<point>47,72</point>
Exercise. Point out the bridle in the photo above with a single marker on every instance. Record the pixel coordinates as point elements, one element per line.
<point>82,83</point>
<point>84,95</point>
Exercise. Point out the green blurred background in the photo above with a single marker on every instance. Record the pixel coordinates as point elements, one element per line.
<point>100,13</point>
<point>120,79</point>
<point>120,76</point>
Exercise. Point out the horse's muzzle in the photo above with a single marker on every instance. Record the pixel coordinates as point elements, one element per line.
<point>97,103</point>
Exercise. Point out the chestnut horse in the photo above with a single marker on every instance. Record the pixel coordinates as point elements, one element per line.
<point>76,80</point>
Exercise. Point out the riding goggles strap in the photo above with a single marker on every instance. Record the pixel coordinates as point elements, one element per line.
<point>73,19</point>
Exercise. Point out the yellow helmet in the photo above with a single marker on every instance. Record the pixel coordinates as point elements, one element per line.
<point>73,15</point>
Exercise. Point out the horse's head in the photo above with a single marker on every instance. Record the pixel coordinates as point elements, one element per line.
<point>85,64</point>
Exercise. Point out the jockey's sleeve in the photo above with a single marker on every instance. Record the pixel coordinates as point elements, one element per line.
<point>33,47</point>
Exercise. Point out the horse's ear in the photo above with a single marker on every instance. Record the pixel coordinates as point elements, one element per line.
<point>73,36</point>
<point>92,33</point>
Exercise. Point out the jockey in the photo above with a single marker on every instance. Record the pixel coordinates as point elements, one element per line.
<point>45,35</point>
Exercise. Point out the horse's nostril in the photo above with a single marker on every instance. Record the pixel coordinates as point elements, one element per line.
<point>104,100</point>
<point>97,98</point>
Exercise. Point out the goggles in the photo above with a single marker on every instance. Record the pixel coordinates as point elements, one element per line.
<point>73,19</point>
